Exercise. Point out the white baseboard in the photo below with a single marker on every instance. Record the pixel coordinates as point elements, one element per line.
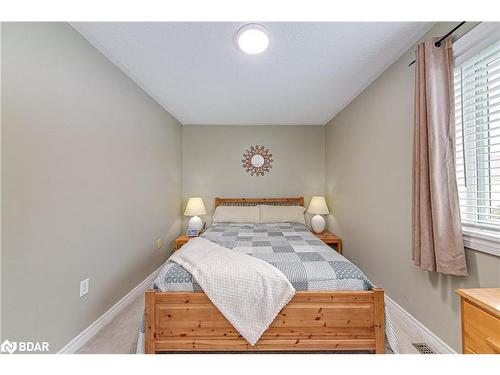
<point>74,345</point>
<point>430,338</point>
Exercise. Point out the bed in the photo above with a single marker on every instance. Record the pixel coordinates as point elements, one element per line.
<point>335,308</point>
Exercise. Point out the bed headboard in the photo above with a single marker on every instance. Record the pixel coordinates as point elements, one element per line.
<point>299,201</point>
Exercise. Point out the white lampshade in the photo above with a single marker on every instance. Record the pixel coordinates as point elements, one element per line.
<point>318,206</point>
<point>195,207</point>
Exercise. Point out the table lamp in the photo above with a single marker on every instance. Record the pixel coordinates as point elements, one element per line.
<point>318,207</point>
<point>194,208</point>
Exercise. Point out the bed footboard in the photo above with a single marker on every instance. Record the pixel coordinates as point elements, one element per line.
<point>312,321</point>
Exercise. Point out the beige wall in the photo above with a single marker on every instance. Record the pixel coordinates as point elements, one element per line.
<point>368,182</point>
<point>212,165</point>
<point>91,177</point>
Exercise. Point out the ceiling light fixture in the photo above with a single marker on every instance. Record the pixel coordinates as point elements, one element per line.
<point>252,38</point>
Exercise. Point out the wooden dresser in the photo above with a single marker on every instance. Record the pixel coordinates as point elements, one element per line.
<point>480,320</point>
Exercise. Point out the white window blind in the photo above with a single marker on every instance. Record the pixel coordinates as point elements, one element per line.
<point>477,117</point>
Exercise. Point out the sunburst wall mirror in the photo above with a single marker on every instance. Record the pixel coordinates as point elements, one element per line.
<point>257,160</point>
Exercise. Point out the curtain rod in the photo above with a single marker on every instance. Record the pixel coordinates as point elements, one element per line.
<point>438,43</point>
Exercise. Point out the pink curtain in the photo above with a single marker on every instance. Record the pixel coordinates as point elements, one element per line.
<point>437,231</point>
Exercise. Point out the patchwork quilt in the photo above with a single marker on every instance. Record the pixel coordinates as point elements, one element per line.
<point>307,262</point>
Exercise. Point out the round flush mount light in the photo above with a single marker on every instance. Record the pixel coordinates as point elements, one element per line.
<point>252,38</point>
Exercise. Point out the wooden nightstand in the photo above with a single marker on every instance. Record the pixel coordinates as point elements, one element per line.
<point>181,240</point>
<point>330,239</point>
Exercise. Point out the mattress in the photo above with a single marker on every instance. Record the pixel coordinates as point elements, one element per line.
<point>307,262</point>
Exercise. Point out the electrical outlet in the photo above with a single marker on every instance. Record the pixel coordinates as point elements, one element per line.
<point>84,287</point>
<point>159,243</point>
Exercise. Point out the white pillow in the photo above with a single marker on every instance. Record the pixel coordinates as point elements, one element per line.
<point>282,214</point>
<point>237,214</point>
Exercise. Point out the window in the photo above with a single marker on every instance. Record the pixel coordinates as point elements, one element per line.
<point>477,118</point>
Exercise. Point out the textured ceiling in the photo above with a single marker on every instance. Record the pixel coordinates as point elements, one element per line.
<point>309,72</point>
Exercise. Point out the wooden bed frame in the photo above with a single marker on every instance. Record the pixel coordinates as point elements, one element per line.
<point>312,320</point>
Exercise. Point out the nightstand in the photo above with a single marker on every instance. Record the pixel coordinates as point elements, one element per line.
<point>330,239</point>
<point>181,240</point>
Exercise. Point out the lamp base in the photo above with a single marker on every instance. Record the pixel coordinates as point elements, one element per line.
<point>195,223</point>
<point>318,223</point>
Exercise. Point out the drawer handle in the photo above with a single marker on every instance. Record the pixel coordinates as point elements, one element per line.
<point>494,343</point>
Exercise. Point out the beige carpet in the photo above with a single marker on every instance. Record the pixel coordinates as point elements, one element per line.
<point>120,335</point>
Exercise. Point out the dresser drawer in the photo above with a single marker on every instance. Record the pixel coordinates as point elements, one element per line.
<point>480,330</point>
